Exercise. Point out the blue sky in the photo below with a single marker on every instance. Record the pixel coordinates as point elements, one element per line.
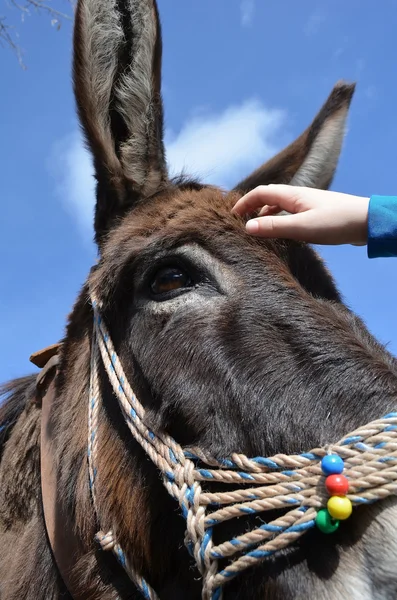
<point>242,78</point>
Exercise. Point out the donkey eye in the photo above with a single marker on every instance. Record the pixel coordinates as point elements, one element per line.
<point>169,279</point>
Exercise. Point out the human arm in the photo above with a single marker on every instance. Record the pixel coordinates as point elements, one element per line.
<point>322,217</point>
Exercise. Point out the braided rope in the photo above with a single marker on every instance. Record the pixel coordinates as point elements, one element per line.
<point>107,540</point>
<point>292,482</point>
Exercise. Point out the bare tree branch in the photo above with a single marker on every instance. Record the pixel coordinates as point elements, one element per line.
<point>8,33</point>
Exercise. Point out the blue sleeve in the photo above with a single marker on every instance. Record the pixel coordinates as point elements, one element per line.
<point>382,226</point>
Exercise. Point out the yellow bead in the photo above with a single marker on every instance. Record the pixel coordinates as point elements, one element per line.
<point>339,507</point>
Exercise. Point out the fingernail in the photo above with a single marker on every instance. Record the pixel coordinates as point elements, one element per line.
<point>252,226</point>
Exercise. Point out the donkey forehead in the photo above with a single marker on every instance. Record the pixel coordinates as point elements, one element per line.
<point>176,208</point>
<point>180,215</point>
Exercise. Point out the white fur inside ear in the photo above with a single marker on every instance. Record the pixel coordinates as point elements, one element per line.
<point>135,94</point>
<point>322,159</point>
<point>103,38</point>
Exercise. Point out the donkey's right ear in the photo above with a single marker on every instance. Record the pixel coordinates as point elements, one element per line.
<point>117,84</point>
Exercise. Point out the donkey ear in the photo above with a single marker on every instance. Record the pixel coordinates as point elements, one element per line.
<point>310,160</point>
<point>117,84</point>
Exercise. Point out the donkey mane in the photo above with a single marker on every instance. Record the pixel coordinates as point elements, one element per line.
<point>14,395</point>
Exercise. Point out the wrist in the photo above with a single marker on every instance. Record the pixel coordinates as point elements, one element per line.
<point>382,226</point>
<point>359,230</point>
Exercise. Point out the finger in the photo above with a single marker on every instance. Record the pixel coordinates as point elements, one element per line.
<point>269,210</point>
<point>284,196</point>
<point>292,227</point>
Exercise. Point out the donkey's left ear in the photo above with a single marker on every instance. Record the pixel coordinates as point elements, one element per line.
<point>117,84</point>
<point>310,160</point>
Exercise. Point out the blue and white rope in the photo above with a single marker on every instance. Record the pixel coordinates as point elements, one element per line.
<point>106,540</point>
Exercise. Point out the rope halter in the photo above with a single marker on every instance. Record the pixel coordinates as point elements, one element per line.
<point>317,487</point>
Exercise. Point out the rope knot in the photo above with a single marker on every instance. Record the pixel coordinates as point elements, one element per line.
<point>105,540</point>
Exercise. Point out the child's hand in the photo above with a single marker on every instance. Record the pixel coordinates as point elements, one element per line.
<point>319,217</point>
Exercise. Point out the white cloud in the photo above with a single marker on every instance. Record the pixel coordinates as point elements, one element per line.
<point>360,66</point>
<point>220,148</point>
<point>223,147</point>
<point>314,22</point>
<point>371,92</point>
<point>247,8</point>
<point>71,165</point>
<point>341,49</point>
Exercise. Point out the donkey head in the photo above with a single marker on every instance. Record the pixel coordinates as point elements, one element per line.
<point>231,343</point>
<point>117,76</point>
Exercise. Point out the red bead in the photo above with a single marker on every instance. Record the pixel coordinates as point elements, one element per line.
<point>337,485</point>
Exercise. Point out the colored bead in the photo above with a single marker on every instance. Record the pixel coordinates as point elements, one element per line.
<point>337,485</point>
<point>332,464</point>
<point>339,507</point>
<point>325,522</point>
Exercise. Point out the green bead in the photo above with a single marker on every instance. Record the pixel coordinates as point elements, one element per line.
<point>325,522</point>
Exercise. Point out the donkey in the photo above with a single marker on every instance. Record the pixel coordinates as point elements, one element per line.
<point>231,344</point>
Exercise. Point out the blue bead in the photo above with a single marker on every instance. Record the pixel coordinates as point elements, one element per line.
<point>332,464</point>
